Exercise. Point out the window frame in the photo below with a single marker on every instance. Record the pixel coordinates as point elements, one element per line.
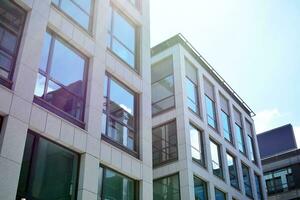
<point>236,170</point>
<point>41,100</point>
<point>136,182</point>
<point>8,82</point>
<point>197,104</point>
<point>219,190</point>
<point>137,40</point>
<point>136,131</point>
<point>214,112</point>
<point>231,141</point>
<point>167,176</point>
<point>33,159</point>
<point>201,142</point>
<point>176,138</point>
<point>89,30</point>
<point>252,143</point>
<point>258,186</point>
<point>220,164</point>
<point>244,181</point>
<point>206,186</point>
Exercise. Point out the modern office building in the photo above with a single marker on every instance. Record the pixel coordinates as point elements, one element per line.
<point>280,162</point>
<point>75,106</point>
<point>204,141</point>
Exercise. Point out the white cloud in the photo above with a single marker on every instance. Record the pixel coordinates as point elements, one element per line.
<point>266,119</point>
<point>297,135</point>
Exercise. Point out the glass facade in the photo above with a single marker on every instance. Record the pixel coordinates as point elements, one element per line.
<point>65,94</point>
<point>119,114</point>
<point>247,181</point>
<point>12,19</point>
<point>166,188</point>
<point>164,143</point>
<point>219,195</point>
<point>216,159</point>
<point>162,80</point>
<point>48,171</point>
<point>117,186</point>
<point>200,188</point>
<point>122,38</point>
<point>232,169</point>
<point>197,145</point>
<point>81,11</point>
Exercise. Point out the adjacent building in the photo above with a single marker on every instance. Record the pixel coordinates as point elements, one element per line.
<point>204,141</point>
<point>280,162</point>
<point>75,106</point>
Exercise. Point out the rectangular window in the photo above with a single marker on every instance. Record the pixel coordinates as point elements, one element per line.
<point>48,171</point>
<point>219,195</point>
<point>162,86</point>
<point>61,82</point>
<point>122,38</point>
<point>164,143</point>
<point>247,181</point>
<point>225,117</point>
<point>200,188</point>
<point>216,159</point>
<point>118,186</point>
<point>250,141</point>
<point>81,11</point>
<point>258,187</point>
<point>239,131</point>
<point>231,163</point>
<point>12,21</point>
<point>197,145</point>
<point>166,188</point>
<point>192,87</point>
<point>120,114</point>
<point>210,104</point>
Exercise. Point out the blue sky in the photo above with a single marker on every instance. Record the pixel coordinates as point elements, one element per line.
<point>254,45</point>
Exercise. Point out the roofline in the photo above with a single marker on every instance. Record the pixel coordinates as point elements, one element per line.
<point>280,156</point>
<point>179,38</point>
<point>273,129</point>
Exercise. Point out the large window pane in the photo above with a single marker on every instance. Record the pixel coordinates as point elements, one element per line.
<point>247,182</point>
<point>251,148</point>
<point>200,188</point>
<point>78,10</point>
<point>231,163</point>
<point>211,112</point>
<point>219,195</point>
<point>166,188</point>
<point>117,186</point>
<point>239,138</point>
<point>197,145</point>
<point>258,187</point>
<point>12,20</point>
<point>41,177</point>
<point>192,87</point>
<point>226,126</point>
<point>164,143</point>
<point>216,159</point>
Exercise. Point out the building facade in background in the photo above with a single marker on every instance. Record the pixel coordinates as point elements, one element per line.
<point>280,162</point>
<point>75,100</point>
<point>204,141</point>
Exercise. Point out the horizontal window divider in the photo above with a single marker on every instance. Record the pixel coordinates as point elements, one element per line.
<point>163,99</point>
<point>114,37</point>
<point>167,76</point>
<point>119,122</point>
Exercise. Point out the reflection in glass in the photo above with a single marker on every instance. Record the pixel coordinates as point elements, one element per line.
<point>231,163</point>
<point>192,96</point>
<point>166,188</point>
<point>196,145</point>
<point>247,182</point>
<point>219,194</point>
<point>251,150</point>
<point>211,113</point>
<point>258,187</point>
<point>40,86</point>
<point>216,159</point>
<point>200,188</point>
<point>239,138</point>
<point>226,126</point>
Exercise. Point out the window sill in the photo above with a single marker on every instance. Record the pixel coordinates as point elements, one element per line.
<point>118,145</point>
<point>199,164</point>
<point>58,112</point>
<point>6,82</point>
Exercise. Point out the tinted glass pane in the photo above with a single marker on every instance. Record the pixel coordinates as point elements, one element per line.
<point>45,52</point>
<point>258,187</point>
<point>247,183</point>
<point>166,188</point>
<point>250,144</point>
<point>162,89</point>
<point>200,189</point>
<point>220,195</point>
<point>5,63</point>
<point>123,52</point>
<point>239,138</point>
<point>124,31</point>
<point>226,126</point>
<point>162,69</point>
<point>9,42</point>
<point>163,105</point>
<point>210,110</point>
<point>117,186</point>
<point>192,95</point>
<point>216,162</point>
<point>65,61</point>
<point>85,5</point>
<point>40,85</point>
<point>196,145</point>
<point>231,163</point>
<point>76,13</point>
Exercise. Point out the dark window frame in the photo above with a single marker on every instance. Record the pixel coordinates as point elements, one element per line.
<point>219,190</point>
<point>91,15</point>
<point>167,176</point>
<point>8,82</point>
<point>243,139</point>
<point>33,158</point>
<point>135,129</point>
<point>236,170</point>
<point>258,186</point>
<point>176,145</point>
<point>41,100</point>
<point>220,164</point>
<point>252,145</point>
<point>206,186</point>
<point>202,149</point>
<point>137,30</point>
<point>136,182</point>
<point>247,185</point>
<point>214,118</point>
<point>231,141</point>
<point>197,104</point>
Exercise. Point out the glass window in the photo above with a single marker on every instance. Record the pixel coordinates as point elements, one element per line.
<point>79,10</point>
<point>226,126</point>
<point>200,188</point>
<point>117,186</point>
<point>122,38</point>
<point>250,141</point>
<point>166,188</point>
<point>192,87</point>
<point>240,138</point>
<point>247,181</point>
<point>197,145</point>
<point>210,112</point>
<point>12,20</point>
<point>41,177</point>
<point>120,114</point>
<point>162,80</point>
<point>65,93</point>
<point>216,159</point>
<point>164,143</point>
<point>231,163</point>
<point>258,187</point>
<point>219,195</point>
